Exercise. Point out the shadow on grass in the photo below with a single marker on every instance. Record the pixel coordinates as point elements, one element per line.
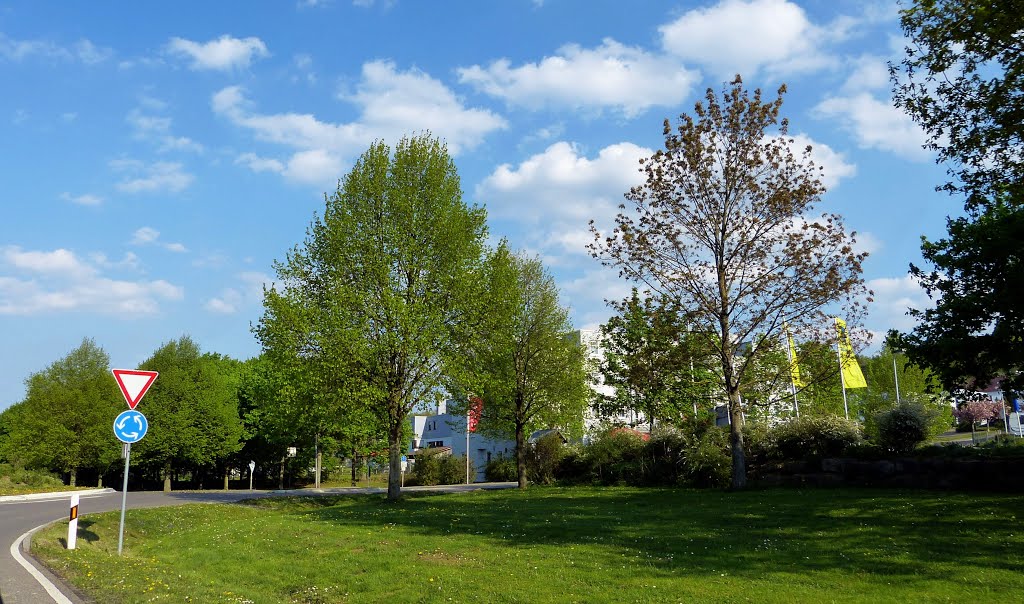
<point>915,535</point>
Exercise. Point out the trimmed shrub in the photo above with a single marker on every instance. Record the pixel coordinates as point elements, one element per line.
<point>543,457</point>
<point>902,428</point>
<point>615,457</point>
<point>501,469</point>
<point>813,437</point>
<point>707,459</point>
<point>433,467</point>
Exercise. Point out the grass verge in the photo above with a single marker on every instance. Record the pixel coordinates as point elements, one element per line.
<point>558,545</point>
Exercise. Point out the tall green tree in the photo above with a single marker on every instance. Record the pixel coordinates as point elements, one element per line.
<point>962,80</point>
<point>724,225</point>
<point>527,369</point>
<point>652,363</point>
<point>65,422</point>
<point>192,409</point>
<point>385,282</point>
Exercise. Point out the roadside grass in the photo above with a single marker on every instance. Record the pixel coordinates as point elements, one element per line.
<point>561,545</point>
<point>23,482</point>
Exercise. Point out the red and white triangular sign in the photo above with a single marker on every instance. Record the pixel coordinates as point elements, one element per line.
<point>134,384</point>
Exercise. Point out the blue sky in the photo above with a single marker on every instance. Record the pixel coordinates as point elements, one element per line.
<point>157,158</point>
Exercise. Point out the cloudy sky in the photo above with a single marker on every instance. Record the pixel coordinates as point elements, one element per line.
<point>157,158</point>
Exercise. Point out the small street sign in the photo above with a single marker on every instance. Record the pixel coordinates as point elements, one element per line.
<point>130,426</point>
<point>133,384</point>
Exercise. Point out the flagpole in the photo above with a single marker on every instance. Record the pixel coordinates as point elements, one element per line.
<point>896,376</point>
<point>467,445</point>
<point>792,384</point>
<point>842,380</point>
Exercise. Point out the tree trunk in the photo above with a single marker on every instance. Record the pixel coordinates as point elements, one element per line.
<point>355,477</point>
<point>227,477</point>
<point>394,459</point>
<point>74,477</point>
<point>739,460</point>
<point>280,476</point>
<point>99,481</point>
<point>521,455</point>
<point>167,478</point>
<point>319,459</point>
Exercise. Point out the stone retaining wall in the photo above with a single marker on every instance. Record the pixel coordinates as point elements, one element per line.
<point>931,473</point>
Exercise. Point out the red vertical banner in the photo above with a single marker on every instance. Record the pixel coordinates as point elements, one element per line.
<point>476,408</point>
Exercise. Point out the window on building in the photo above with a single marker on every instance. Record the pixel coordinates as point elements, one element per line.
<point>435,443</point>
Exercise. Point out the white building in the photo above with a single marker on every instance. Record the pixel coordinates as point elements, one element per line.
<point>590,341</point>
<point>447,430</point>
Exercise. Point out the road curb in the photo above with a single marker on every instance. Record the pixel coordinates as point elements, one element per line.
<point>56,495</point>
<point>16,547</point>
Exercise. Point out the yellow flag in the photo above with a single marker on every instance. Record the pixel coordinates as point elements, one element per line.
<point>794,369</point>
<point>852,376</point>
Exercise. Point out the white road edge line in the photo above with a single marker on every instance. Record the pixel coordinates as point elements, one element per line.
<point>50,588</point>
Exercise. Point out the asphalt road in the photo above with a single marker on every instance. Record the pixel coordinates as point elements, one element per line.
<point>17,586</point>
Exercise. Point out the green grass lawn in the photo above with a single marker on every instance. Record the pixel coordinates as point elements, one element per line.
<point>559,545</point>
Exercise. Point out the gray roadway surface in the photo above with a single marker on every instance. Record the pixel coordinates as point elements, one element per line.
<point>17,586</point>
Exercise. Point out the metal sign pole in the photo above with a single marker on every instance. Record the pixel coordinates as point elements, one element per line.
<point>124,497</point>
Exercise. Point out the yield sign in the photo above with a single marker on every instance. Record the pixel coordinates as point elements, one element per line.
<point>133,384</point>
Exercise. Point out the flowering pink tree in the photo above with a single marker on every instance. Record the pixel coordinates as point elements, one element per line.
<point>977,411</point>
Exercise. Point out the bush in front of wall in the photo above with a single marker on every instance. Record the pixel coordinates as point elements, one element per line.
<point>809,437</point>
<point>904,427</point>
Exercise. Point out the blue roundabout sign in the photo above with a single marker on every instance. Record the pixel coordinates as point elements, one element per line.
<point>130,427</point>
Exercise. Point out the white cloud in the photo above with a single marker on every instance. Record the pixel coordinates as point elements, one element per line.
<point>57,261</point>
<point>834,165</point>
<point>157,129</point>
<point>86,199</point>
<point>893,296</point>
<point>90,54</point>
<point>145,235</point>
<point>83,50</point>
<point>224,53</point>
<point>259,164</point>
<point>868,72</point>
<point>392,104</point>
<point>149,178</point>
<point>61,281</point>
<point>150,236</point>
<point>314,167</point>
<point>747,36</point>
<point>614,76</point>
<point>248,293</point>
<point>561,184</point>
<point>875,124</point>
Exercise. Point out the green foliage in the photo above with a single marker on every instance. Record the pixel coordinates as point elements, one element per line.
<point>381,297</point>
<point>902,428</point>
<point>192,410</point>
<point>652,362</point>
<point>434,467</point>
<point>809,437</point>
<point>501,469</point>
<point>962,81</point>
<point>530,374</point>
<point>13,478</point>
<point>543,457</point>
<point>615,457</point>
<point>64,423</point>
<point>695,454</point>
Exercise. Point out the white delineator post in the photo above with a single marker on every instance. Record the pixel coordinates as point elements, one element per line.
<point>73,522</point>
